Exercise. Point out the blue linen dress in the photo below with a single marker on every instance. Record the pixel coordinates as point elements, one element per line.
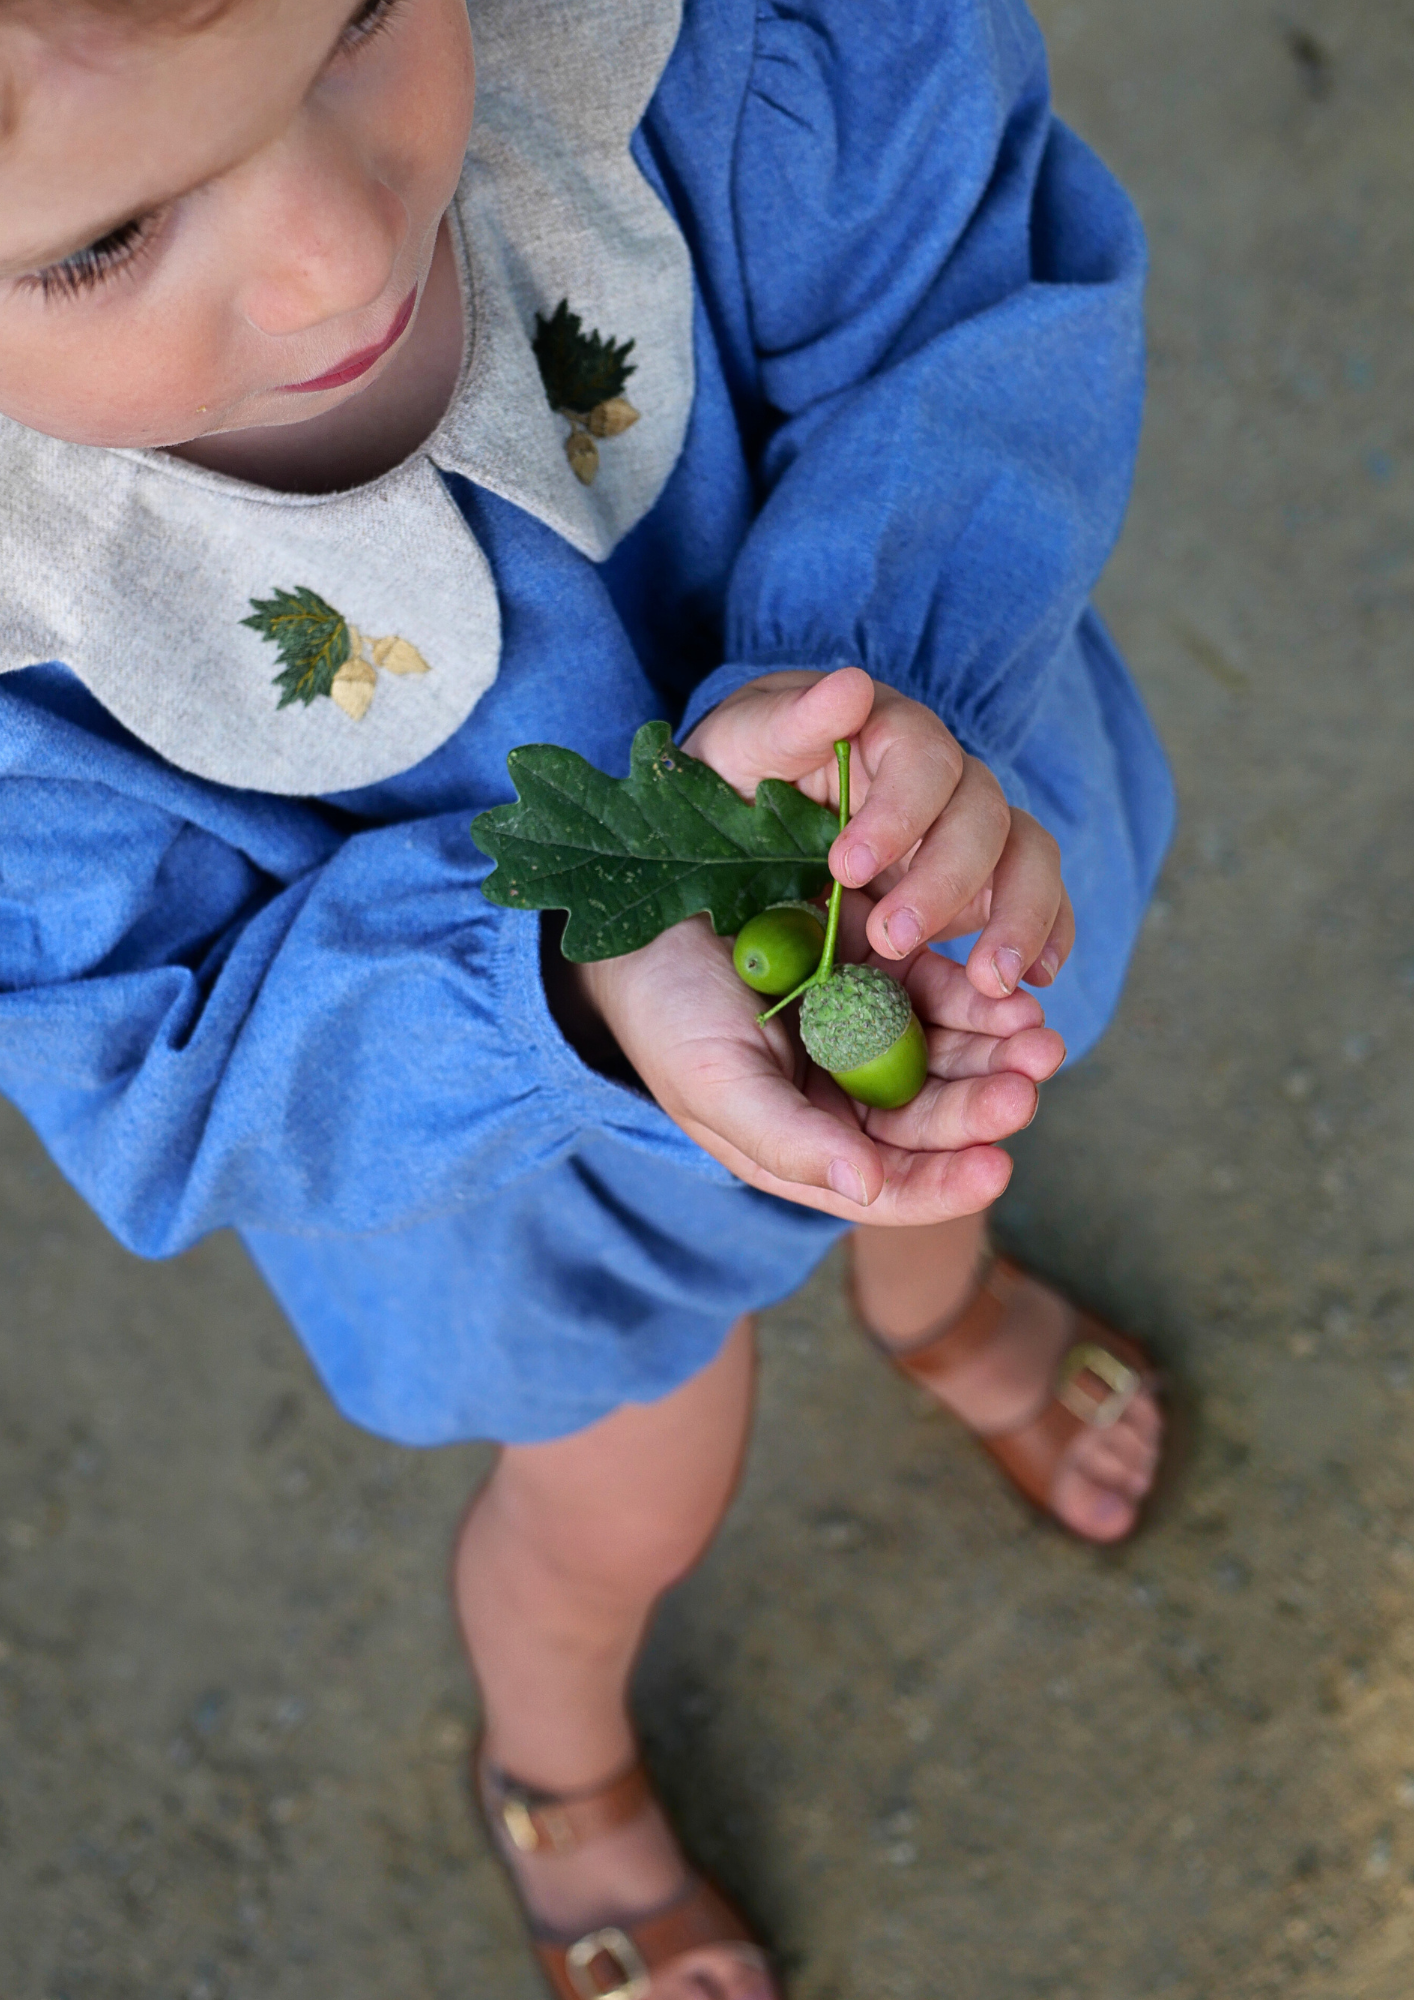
<point>918,365</point>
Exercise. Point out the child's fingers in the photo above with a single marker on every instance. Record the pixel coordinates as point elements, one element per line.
<point>938,1187</point>
<point>950,1117</point>
<point>919,1188</point>
<point>956,857</point>
<point>1026,898</point>
<point>784,726</point>
<point>762,1116</point>
<point>1057,948</point>
<point>913,773</point>
<point>1035,1052</point>
<point>944,997</point>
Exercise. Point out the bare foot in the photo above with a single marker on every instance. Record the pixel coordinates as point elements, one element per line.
<point>624,1875</point>
<point>1104,1476</point>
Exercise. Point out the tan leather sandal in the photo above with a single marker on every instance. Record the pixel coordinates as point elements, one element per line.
<point>1100,1375</point>
<point>617,1959</point>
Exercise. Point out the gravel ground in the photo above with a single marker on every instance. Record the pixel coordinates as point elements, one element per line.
<point>940,1753</point>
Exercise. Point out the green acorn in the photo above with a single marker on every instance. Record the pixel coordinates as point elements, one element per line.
<point>855,1021</point>
<point>780,946</point>
<point>860,1026</point>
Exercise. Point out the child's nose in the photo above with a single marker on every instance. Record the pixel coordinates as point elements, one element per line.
<point>322,234</point>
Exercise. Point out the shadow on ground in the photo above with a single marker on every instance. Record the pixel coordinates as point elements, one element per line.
<point>940,1751</point>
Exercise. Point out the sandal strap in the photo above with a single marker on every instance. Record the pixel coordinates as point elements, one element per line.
<point>620,1961</point>
<point>545,1822</point>
<point>1100,1375</point>
<point>950,1347</point>
<point>1098,1379</point>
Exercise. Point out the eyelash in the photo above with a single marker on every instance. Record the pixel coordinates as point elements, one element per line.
<point>122,248</point>
<point>369,21</point>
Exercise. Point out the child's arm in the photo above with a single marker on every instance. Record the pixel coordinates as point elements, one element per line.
<point>941,309</point>
<point>222,1009</point>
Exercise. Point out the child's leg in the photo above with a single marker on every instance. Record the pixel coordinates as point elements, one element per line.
<point>559,1564</point>
<point>909,1280</point>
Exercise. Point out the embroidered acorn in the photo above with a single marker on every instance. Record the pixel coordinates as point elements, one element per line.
<point>612,419</point>
<point>860,1026</point>
<point>584,376</point>
<point>398,656</point>
<point>353,686</point>
<point>583,455</point>
<point>324,653</point>
<point>780,947</point>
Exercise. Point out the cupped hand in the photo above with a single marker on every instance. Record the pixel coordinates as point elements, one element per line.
<point>931,833</point>
<point>750,1097</point>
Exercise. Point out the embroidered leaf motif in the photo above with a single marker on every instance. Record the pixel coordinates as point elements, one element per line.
<point>324,653</point>
<point>580,370</point>
<point>628,857</point>
<point>312,639</point>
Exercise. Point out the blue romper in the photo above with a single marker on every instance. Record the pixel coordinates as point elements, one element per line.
<point>916,344</point>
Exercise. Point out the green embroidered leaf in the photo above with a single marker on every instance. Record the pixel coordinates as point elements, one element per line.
<point>627,857</point>
<point>580,370</point>
<point>312,639</point>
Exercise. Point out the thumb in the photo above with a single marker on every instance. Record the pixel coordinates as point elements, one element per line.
<point>763,1118</point>
<point>785,731</point>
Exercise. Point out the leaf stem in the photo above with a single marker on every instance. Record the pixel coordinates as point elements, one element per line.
<point>832,916</point>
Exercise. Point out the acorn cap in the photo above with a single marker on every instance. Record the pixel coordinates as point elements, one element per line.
<point>856,1014</point>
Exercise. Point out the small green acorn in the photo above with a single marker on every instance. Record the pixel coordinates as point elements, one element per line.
<point>860,1026</point>
<point>855,1021</point>
<point>779,947</point>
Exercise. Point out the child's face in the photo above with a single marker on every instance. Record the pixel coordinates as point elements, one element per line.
<point>196,226</point>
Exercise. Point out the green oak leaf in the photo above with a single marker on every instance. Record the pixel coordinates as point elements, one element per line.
<point>580,370</point>
<point>627,857</point>
<point>312,639</point>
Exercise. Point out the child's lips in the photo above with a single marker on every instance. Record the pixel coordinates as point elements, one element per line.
<point>360,363</point>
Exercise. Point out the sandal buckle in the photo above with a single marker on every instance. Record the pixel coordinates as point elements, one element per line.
<point>625,1961</point>
<point>532,1827</point>
<point>1123,1382</point>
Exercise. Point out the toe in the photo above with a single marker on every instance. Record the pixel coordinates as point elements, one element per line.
<point>722,1974</point>
<point>1098,1513</point>
<point>1107,1474</point>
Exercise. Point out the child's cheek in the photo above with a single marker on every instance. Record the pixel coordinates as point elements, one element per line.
<point>419,109</point>
<point>129,372</point>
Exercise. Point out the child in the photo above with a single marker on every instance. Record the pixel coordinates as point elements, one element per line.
<point>270,306</point>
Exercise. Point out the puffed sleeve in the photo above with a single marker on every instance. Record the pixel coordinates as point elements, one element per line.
<point>218,1008</point>
<point>944,288</point>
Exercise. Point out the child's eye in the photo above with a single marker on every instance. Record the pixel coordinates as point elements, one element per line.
<point>371,16</point>
<point>92,266</point>
<point>96,262</point>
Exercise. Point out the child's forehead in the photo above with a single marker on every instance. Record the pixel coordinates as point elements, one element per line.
<point>100,122</point>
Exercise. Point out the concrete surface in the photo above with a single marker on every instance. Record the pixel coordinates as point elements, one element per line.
<point>942,1754</point>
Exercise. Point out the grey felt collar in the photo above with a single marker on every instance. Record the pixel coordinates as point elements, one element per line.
<point>136,569</point>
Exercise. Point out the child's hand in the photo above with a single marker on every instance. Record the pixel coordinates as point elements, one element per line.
<point>750,1098</point>
<point>944,852</point>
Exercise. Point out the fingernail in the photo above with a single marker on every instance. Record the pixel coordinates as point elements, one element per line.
<point>1006,963</point>
<point>846,1181</point>
<point>861,865</point>
<point>1050,959</point>
<point>903,931</point>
